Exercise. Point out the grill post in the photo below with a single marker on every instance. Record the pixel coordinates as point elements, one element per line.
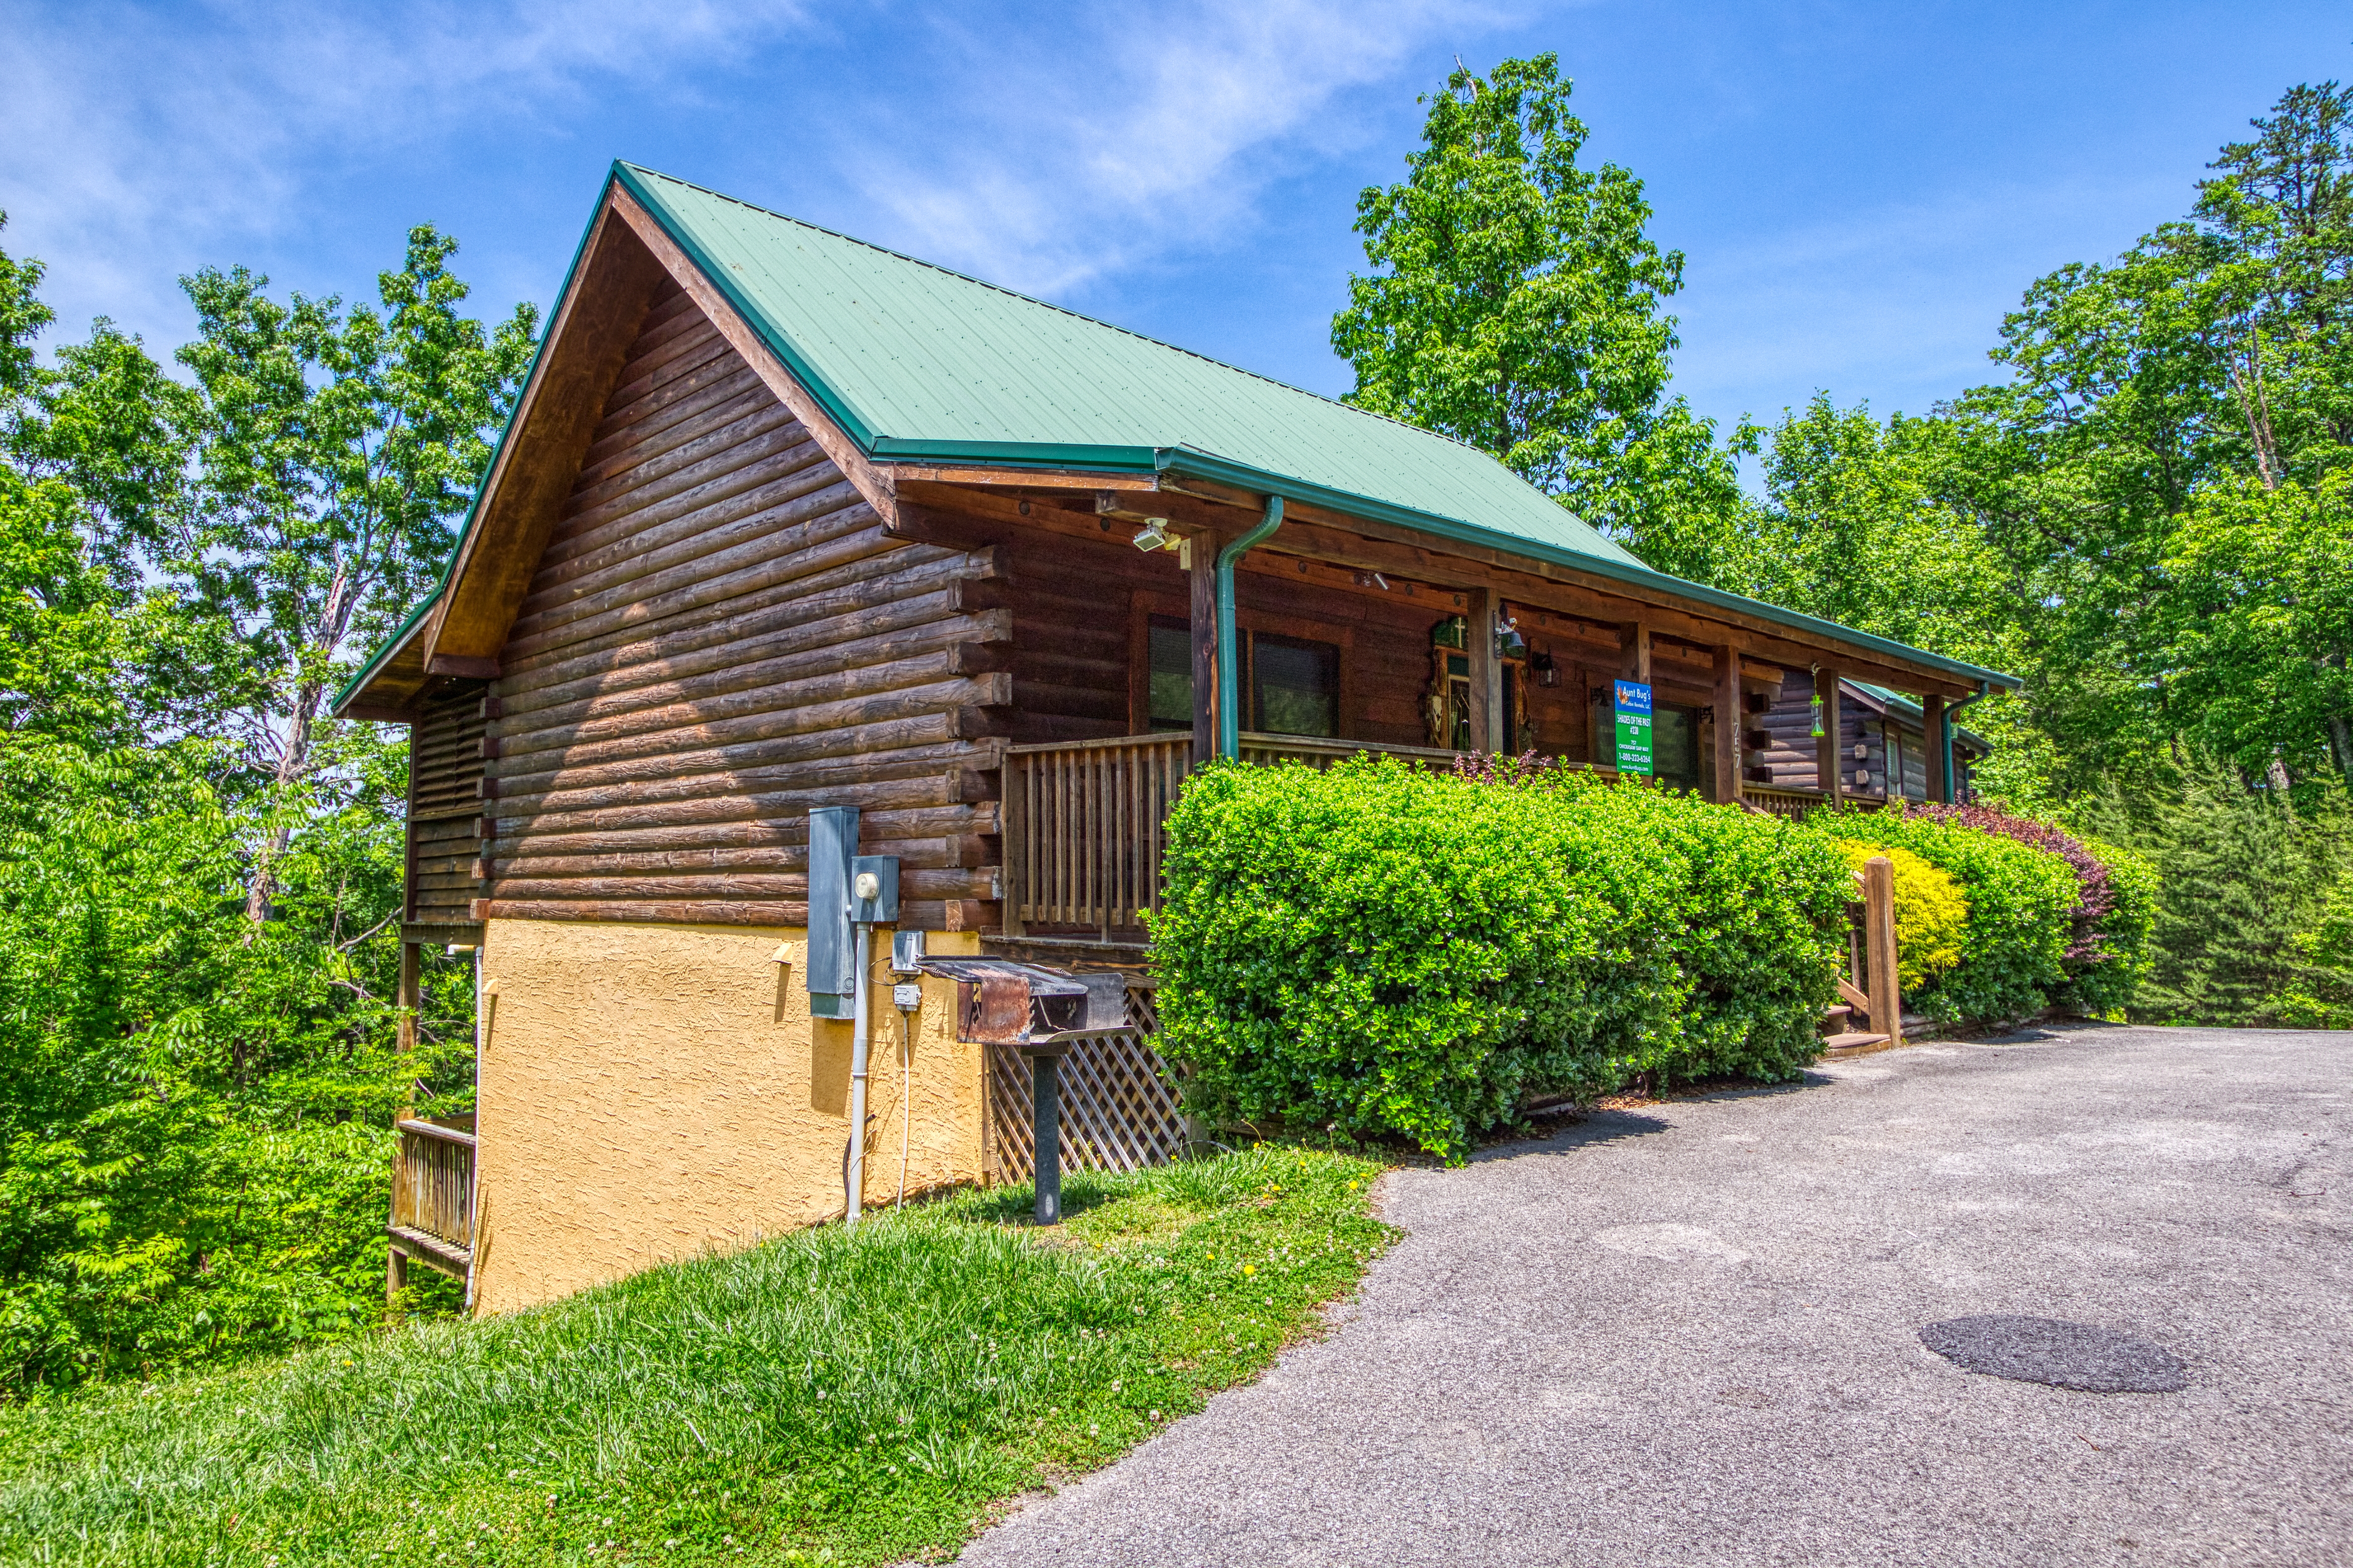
<point>1046,1102</point>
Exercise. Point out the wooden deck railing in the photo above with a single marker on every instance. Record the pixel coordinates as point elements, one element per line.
<point>1319,752</point>
<point>1781,802</point>
<point>1082,840</point>
<point>1082,830</point>
<point>433,1197</point>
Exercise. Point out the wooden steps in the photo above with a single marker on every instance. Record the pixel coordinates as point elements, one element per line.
<point>1838,1040</point>
<point>1852,1045</point>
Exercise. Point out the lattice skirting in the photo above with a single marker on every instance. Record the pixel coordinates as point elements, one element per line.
<point>1119,1107</point>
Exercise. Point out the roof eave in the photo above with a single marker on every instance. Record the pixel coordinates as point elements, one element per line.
<point>1207,466</point>
<point>351,689</point>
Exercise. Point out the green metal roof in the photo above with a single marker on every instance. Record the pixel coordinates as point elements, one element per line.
<point>921,365</point>
<point>919,362</point>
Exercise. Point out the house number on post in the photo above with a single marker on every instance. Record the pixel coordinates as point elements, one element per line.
<point>1633,727</point>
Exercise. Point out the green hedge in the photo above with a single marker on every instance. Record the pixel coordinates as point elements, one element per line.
<point>2021,914</point>
<point>1380,950</point>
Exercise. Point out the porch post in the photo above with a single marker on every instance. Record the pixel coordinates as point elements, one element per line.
<point>1829,750</point>
<point>1634,652</point>
<point>1936,744</point>
<point>406,998</point>
<point>1728,721</point>
<point>1486,673</point>
<point>1205,647</point>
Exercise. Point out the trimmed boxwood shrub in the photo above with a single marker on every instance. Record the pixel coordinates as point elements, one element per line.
<point>2020,919</point>
<point>1381,950</point>
<point>1932,914</point>
<point>2108,948</point>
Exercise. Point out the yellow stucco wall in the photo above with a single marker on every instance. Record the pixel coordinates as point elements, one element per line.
<point>650,1092</point>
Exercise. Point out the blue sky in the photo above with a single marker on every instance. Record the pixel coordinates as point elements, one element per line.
<point>1860,190</point>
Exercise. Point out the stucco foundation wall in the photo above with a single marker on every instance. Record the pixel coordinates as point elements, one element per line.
<point>652,1092</point>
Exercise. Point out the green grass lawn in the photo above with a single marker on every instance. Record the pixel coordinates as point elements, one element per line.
<point>853,1396</point>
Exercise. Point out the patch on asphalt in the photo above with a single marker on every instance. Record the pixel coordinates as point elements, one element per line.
<point>2058,1354</point>
<point>1676,1242</point>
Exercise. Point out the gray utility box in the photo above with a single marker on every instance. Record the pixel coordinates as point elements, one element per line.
<point>832,967</point>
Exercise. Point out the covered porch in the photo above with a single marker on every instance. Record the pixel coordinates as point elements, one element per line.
<point>1336,636</point>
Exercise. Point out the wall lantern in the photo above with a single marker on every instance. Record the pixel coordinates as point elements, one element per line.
<point>1548,672</point>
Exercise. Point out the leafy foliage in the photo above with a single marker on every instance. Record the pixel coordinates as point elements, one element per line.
<point>1388,952</point>
<point>1932,914</point>
<point>2022,904</point>
<point>2242,874</point>
<point>1517,308</point>
<point>197,872</point>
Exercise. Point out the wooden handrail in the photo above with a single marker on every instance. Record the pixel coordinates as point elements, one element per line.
<point>435,1130</point>
<point>433,1189</point>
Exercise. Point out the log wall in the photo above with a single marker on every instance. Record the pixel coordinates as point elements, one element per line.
<point>719,636</point>
<point>445,773</point>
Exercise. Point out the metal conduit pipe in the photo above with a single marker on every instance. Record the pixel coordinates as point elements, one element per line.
<point>1230,715</point>
<point>1945,738</point>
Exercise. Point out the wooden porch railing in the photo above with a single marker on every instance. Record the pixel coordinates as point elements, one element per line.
<point>1082,829</point>
<point>1083,821</point>
<point>1790,803</point>
<point>432,1199</point>
<point>1083,841</point>
<point>1318,753</point>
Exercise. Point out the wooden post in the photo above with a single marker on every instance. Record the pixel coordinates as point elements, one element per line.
<point>1205,647</point>
<point>1932,739</point>
<point>1729,717</point>
<point>1829,750</point>
<point>396,1276</point>
<point>1486,672</point>
<point>406,998</point>
<point>1634,652</point>
<point>1879,923</point>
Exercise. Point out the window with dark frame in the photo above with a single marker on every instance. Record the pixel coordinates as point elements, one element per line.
<point>1170,703</point>
<point>1294,683</point>
<point>1295,686</point>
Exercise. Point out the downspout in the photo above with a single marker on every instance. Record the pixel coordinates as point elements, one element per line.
<point>1230,714</point>
<point>1945,739</point>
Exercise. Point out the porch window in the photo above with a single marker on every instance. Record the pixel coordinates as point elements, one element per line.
<point>1295,685</point>
<point>1172,674</point>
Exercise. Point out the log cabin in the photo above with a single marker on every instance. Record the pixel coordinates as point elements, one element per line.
<point>782,519</point>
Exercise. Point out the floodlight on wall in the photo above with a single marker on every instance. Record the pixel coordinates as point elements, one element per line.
<point>1153,536</point>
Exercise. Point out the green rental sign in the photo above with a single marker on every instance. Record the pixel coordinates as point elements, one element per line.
<point>1633,727</point>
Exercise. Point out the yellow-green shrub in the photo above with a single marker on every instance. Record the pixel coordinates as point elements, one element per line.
<point>1931,913</point>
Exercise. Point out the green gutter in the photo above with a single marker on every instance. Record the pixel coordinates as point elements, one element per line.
<point>1230,697</point>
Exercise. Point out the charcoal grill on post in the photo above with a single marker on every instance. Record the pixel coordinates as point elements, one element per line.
<point>1040,1012</point>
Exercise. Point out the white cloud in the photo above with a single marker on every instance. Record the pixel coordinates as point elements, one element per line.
<point>1149,128</point>
<point>132,132</point>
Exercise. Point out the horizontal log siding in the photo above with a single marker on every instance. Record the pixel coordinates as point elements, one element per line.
<point>445,773</point>
<point>1790,723</point>
<point>719,636</point>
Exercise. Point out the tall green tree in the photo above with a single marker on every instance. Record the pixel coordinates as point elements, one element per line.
<point>334,450</point>
<point>1517,305</point>
<point>198,878</point>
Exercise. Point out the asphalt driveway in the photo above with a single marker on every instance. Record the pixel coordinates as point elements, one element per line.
<point>1690,1335</point>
